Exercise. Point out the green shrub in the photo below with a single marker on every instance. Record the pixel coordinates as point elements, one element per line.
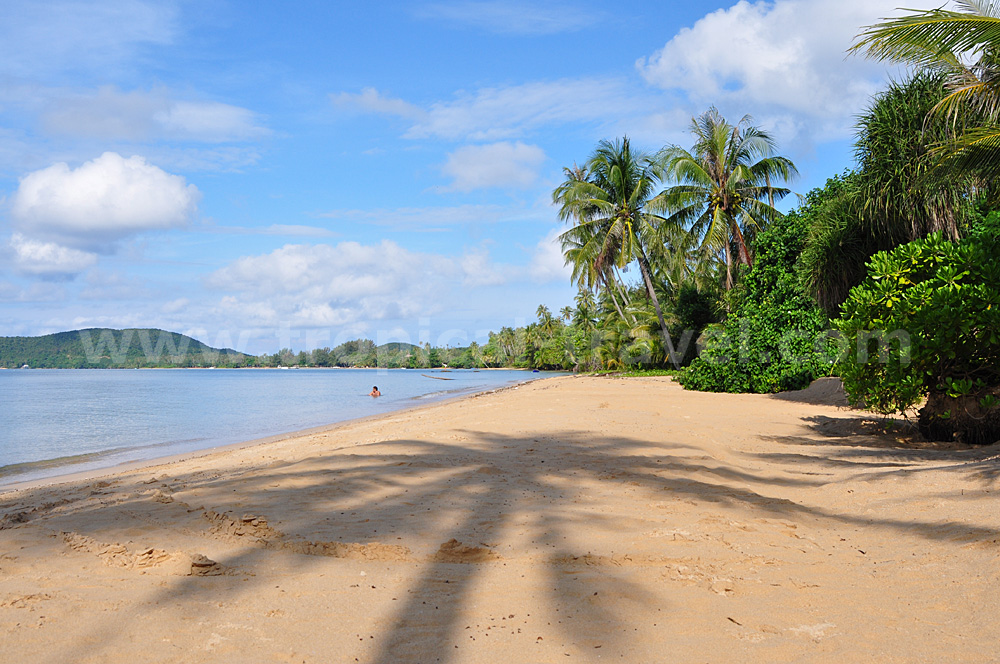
<point>694,311</point>
<point>926,323</point>
<point>776,337</point>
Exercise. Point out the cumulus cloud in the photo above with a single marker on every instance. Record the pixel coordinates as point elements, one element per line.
<point>334,285</point>
<point>47,259</point>
<point>547,262</point>
<point>496,165</point>
<point>518,18</point>
<point>101,201</point>
<point>348,284</point>
<point>109,113</point>
<point>784,59</point>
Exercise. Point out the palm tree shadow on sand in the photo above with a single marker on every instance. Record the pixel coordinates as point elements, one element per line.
<point>457,506</point>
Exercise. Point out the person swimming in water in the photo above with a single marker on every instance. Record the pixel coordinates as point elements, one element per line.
<point>375,392</point>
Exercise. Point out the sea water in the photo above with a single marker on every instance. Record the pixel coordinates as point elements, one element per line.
<point>54,422</point>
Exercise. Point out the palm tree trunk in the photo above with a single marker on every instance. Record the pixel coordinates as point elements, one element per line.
<point>619,284</point>
<point>644,268</point>
<point>742,244</point>
<point>729,268</point>
<point>612,287</point>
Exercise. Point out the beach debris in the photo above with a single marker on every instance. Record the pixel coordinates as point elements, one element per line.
<point>145,559</point>
<point>14,519</point>
<point>23,601</point>
<point>247,526</point>
<point>161,497</point>
<point>454,551</point>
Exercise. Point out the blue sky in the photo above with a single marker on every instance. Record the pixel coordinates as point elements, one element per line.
<point>262,175</point>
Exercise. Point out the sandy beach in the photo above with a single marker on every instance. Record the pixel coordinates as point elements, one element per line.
<point>575,519</point>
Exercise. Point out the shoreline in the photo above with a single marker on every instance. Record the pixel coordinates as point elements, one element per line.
<point>579,518</point>
<point>154,462</point>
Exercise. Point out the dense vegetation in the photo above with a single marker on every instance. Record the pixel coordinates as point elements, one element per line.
<point>101,348</point>
<point>776,337</point>
<point>926,323</point>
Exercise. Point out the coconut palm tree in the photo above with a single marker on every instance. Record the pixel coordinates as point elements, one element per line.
<point>584,316</point>
<point>608,200</point>
<point>723,189</point>
<point>583,248</point>
<point>964,48</point>
<point>547,323</point>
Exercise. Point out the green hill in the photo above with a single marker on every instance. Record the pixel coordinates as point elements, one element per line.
<point>102,348</point>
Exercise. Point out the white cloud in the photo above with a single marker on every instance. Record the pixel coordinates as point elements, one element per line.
<point>495,165</point>
<point>66,36</point>
<point>478,269</point>
<point>496,113</point>
<point>103,200</point>
<point>210,121</point>
<point>327,285</point>
<point>507,112</point>
<point>548,262</point>
<point>111,114</point>
<point>349,284</point>
<point>518,18</point>
<point>47,259</point>
<point>372,101</point>
<point>785,60</point>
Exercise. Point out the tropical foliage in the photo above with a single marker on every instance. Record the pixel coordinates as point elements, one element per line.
<point>963,48</point>
<point>926,323</point>
<point>609,203</point>
<point>723,189</point>
<point>894,196</point>
<point>776,338</point>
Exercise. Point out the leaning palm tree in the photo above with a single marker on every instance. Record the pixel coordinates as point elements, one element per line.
<point>723,189</point>
<point>614,226</point>
<point>963,47</point>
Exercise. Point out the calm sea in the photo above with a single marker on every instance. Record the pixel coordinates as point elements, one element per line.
<point>54,422</point>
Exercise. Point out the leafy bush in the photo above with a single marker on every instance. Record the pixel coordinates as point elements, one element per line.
<point>776,337</point>
<point>926,323</point>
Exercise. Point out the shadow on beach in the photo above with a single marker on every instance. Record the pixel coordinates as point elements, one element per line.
<point>450,505</point>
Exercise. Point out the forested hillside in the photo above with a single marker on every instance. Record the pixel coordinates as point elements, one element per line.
<point>101,348</point>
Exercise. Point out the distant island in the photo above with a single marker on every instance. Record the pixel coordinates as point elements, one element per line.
<point>105,348</point>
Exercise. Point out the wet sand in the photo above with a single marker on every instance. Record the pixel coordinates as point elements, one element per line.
<point>572,519</point>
